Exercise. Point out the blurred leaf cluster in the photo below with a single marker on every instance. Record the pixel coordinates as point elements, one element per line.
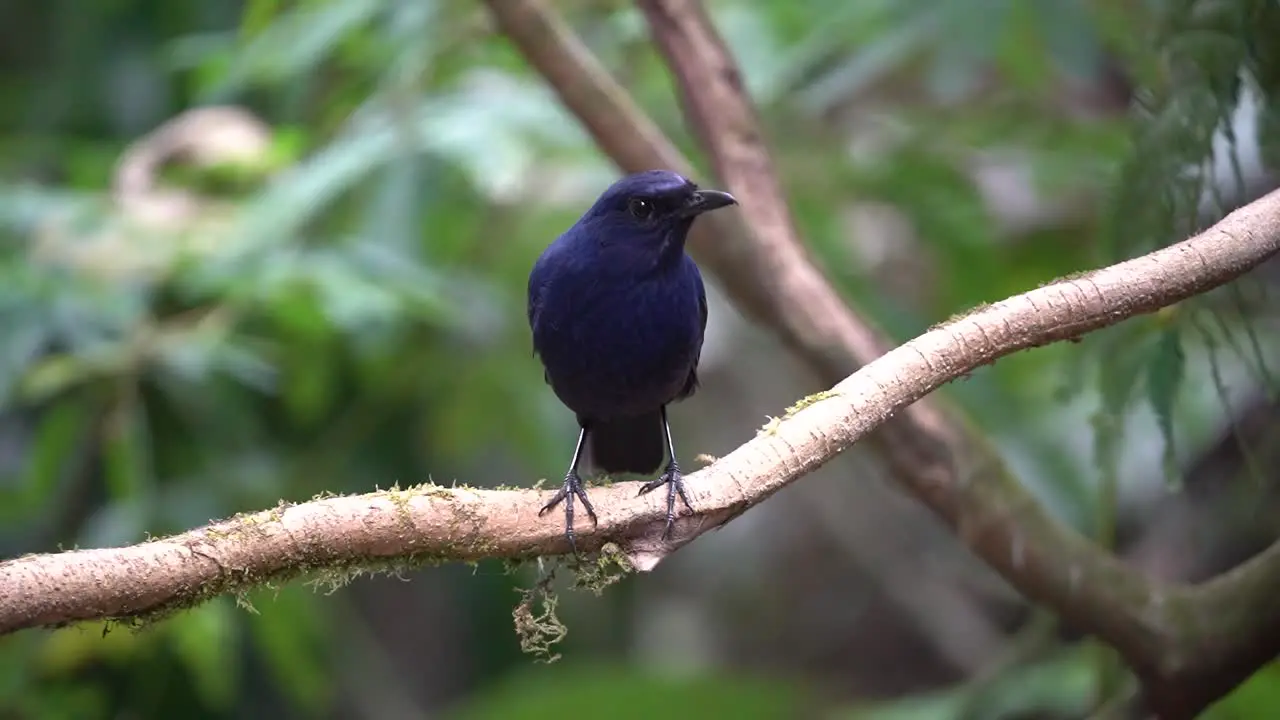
<point>322,290</point>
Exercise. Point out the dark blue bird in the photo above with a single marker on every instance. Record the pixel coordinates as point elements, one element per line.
<point>618,312</point>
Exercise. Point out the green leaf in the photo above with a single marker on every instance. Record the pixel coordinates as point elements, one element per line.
<point>1165,371</point>
<point>563,691</point>
<point>127,452</point>
<point>1120,357</point>
<point>58,433</point>
<point>310,380</point>
<point>288,635</point>
<point>974,31</point>
<point>295,42</point>
<point>1257,697</point>
<point>392,213</point>
<point>312,186</point>
<point>205,639</point>
<point>1071,35</point>
<point>1061,685</point>
<point>878,59</point>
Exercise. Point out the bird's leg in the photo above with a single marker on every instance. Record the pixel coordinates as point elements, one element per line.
<point>670,477</point>
<point>572,487</point>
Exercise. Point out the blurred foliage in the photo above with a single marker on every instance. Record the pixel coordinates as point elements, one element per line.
<point>338,303</point>
<point>570,691</point>
<point>1061,684</point>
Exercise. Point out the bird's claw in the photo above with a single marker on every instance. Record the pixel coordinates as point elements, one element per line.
<point>573,487</point>
<point>674,481</point>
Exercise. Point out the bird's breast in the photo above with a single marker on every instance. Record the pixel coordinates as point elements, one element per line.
<point>616,347</point>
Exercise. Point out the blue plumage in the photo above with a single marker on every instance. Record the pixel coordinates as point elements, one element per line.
<point>618,312</point>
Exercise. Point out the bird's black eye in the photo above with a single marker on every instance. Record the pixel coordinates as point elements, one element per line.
<point>640,208</point>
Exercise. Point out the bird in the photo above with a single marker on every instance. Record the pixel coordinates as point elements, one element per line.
<point>618,312</point>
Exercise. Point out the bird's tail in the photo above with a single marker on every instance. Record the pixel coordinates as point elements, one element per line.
<point>626,445</point>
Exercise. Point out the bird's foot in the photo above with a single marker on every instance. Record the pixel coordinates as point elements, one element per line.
<point>674,481</point>
<point>573,487</point>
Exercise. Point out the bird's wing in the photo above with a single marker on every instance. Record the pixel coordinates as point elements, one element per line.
<point>691,384</point>
<point>536,285</point>
<point>538,278</point>
<point>702,303</point>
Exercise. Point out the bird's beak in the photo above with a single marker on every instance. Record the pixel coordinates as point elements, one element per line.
<point>706,200</point>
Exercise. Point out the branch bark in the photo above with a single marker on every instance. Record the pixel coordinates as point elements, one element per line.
<point>765,270</point>
<point>1169,631</point>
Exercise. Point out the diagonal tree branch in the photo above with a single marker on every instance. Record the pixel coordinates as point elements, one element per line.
<point>1226,629</point>
<point>953,470</point>
<point>724,119</point>
<point>387,529</point>
<point>763,266</point>
<point>767,273</point>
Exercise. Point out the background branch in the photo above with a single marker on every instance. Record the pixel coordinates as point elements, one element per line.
<point>768,275</point>
<point>1168,632</point>
<point>802,307</point>
<point>766,271</point>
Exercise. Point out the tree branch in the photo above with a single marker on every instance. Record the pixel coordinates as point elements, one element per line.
<point>948,467</point>
<point>802,305</point>
<point>766,272</point>
<point>428,523</point>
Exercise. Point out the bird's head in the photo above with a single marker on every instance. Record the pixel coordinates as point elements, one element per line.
<point>651,212</point>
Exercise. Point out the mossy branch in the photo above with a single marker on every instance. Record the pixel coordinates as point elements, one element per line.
<point>341,536</point>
